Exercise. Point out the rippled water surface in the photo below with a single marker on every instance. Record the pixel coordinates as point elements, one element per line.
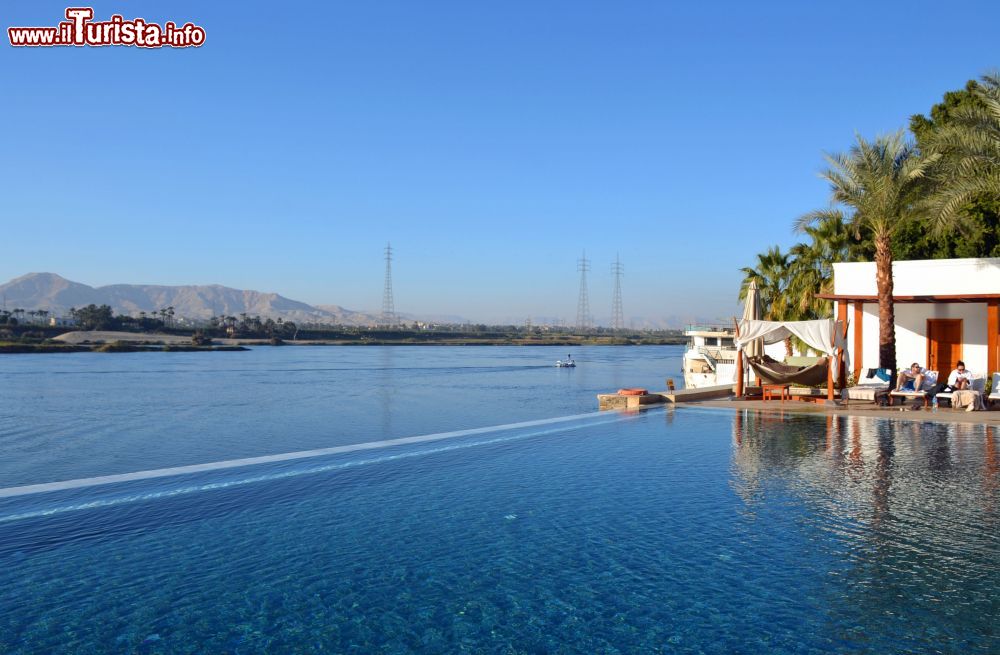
<point>666,531</point>
<point>68,416</point>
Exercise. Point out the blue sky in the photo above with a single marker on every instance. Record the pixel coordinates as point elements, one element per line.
<point>490,142</point>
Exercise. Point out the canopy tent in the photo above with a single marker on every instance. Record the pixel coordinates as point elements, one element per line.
<point>825,336</point>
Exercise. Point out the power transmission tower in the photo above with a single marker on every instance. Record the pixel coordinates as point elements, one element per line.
<point>617,315</point>
<point>388,305</point>
<point>583,303</point>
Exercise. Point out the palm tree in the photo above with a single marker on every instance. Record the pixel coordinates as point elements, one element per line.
<point>969,150</point>
<point>875,188</point>
<point>811,269</point>
<point>772,276</point>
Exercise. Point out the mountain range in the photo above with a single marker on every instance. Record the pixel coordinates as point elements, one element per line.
<point>56,294</point>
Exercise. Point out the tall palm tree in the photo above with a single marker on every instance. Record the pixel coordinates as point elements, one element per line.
<point>876,188</point>
<point>969,150</point>
<point>772,275</point>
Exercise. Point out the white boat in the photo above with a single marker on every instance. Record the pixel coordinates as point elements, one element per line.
<point>569,363</point>
<point>710,358</point>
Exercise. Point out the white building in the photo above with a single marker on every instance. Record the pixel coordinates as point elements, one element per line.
<point>62,321</point>
<point>946,310</point>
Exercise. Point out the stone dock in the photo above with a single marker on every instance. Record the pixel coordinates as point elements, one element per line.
<point>616,401</point>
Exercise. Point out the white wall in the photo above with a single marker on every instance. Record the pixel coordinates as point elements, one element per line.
<point>911,333</point>
<point>921,277</point>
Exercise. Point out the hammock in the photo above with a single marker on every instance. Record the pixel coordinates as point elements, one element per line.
<point>771,371</point>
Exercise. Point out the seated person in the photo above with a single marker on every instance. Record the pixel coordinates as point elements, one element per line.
<point>960,378</point>
<point>910,380</point>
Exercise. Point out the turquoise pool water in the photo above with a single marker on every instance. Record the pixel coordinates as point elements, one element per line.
<point>684,531</point>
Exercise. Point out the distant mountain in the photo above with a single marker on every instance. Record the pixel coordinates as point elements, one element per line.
<point>47,291</point>
<point>199,302</point>
<point>57,294</point>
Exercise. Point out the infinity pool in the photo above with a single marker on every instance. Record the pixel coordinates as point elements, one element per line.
<point>685,531</point>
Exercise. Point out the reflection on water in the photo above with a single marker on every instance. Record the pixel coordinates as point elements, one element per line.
<point>385,384</point>
<point>672,530</point>
<point>912,508</point>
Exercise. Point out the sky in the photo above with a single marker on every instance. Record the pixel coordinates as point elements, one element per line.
<point>491,143</point>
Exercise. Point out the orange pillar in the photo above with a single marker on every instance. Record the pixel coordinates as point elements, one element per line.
<point>829,377</point>
<point>859,317</point>
<point>992,336</point>
<point>739,362</point>
<point>739,373</point>
<point>831,364</point>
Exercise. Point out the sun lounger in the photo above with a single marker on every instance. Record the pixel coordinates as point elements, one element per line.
<point>930,379</point>
<point>995,390</point>
<point>978,384</point>
<point>864,391</point>
<point>869,388</point>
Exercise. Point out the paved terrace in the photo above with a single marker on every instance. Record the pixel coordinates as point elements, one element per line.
<point>721,397</point>
<point>939,415</point>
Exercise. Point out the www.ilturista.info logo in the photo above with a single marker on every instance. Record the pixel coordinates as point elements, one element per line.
<point>81,30</point>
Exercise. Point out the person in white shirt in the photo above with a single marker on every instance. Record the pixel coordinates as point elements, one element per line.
<point>960,378</point>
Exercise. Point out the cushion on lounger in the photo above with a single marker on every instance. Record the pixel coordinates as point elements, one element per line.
<point>802,361</point>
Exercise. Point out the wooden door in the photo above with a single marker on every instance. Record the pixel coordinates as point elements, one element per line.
<point>944,344</point>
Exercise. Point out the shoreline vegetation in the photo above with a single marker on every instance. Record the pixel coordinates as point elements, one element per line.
<point>18,348</point>
<point>36,339</point>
